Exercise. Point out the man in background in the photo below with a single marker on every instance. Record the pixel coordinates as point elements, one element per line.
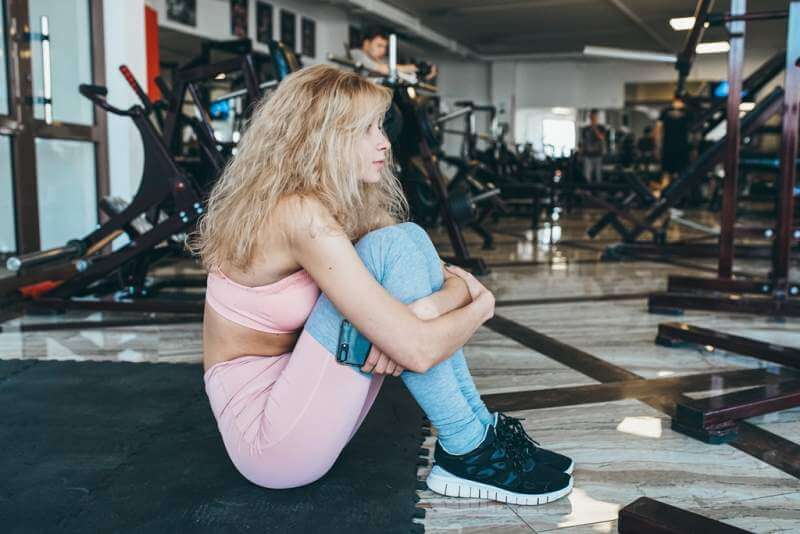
<point>672,137</point>
<point>593,148</point>
<point>372,55</point>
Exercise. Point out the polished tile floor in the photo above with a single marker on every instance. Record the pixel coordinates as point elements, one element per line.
<point>624,449</point>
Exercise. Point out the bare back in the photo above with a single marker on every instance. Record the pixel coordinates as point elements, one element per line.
<point>225,340</point>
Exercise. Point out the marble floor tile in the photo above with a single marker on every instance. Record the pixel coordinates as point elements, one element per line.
<point>171,343</point>
<point>785,423</point>
<point>474,518</point>
<point>571,279</point>
<point>499,364</point>
<point>625,449</point>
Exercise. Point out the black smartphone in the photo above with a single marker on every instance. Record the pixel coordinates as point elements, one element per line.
<point>352,348</point>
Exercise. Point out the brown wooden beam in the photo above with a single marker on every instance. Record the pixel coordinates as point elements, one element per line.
<point>144,305</point>
<point>571,299</point>
<point>648,516</point>
<point>677,284</point>
<point>670,334</point>
<point>717,416</point>
<point>632,389</point>
<point>675,303</point>
<point>91,325</point>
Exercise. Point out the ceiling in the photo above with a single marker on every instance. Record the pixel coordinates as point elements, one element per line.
<point>508,27</point>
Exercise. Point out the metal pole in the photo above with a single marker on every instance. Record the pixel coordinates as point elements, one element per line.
<point>721,18</point>
<point>686,57</point>
<point>392,57</point>
<point>788,170</point>
<point>735,65</point>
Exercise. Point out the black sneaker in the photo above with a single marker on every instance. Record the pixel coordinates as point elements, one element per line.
<point>512,433</point>
<point>493,471</point>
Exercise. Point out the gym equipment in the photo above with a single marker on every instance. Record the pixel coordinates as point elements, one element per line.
<point>164,209</point>
<point>186,81</point>
<point>784,234</point>
<point>496,167</point>
<point>714,419</point>
<point>412,149</point>
<point>688,179</point>
<point>709,119</point>
<point>167,199</point>
<point>415,135</point>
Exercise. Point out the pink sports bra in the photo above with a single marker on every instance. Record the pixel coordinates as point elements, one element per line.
<point>281,307</point>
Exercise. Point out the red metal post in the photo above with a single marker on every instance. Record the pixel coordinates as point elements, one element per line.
<point>735,66</point>
<point>788,153</point>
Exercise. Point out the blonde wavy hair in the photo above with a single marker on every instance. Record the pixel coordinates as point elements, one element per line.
<point>301,140</point>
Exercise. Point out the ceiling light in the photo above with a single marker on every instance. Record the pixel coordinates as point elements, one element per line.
<point>716,47</point>
<point>684,23</point>
<point>747,106</point>
<point>561,111</point>
<point>220,76</point>
<point>622,53</point>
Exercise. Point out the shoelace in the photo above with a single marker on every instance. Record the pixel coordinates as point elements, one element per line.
<point>515,433</point>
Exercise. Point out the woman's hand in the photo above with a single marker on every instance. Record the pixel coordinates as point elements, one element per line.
<point>380,364</point>
<point>481,297</point>
<point>473,285</point>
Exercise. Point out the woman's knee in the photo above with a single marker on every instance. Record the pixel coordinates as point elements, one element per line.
<point>382,248</point>
<point>400,242</point>
<point>425,245</point>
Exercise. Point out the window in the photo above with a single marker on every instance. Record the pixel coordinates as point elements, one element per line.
<point>558,137</point>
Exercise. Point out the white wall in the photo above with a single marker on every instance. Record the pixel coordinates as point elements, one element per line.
<point>213,22</point>
<point>591,84</point>
<point>124,44</point>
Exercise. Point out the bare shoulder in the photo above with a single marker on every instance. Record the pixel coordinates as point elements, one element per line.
<point>305,217</point>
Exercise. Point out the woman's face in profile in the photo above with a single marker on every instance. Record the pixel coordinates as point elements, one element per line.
<point>372,151</point>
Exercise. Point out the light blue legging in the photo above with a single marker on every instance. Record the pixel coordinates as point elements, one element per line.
<point>404,261</point>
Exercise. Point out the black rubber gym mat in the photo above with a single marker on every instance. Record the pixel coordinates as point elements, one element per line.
<point>124,447</point>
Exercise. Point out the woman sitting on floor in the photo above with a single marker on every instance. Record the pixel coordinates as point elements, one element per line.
<point>313,176</point>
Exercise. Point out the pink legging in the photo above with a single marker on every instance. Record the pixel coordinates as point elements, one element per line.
<point>285,419</point>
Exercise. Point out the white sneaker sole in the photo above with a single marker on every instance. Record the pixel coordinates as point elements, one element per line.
<point>571,468</point>
<point>444,483</point>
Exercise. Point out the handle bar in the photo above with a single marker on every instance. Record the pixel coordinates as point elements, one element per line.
<point>97,94</point>
<point>73,248</point>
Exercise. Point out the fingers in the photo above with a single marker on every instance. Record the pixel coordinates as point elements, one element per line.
<point>456,270</point>
<point>473,285</point>
<point>380,364</point>
<point>380,367</point>
<point>372,359</point>
<point>376,362</point>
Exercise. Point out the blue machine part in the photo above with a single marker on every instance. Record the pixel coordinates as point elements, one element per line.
<point>219,110</point>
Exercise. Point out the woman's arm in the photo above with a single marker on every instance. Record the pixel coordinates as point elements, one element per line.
<point>320,246</point>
